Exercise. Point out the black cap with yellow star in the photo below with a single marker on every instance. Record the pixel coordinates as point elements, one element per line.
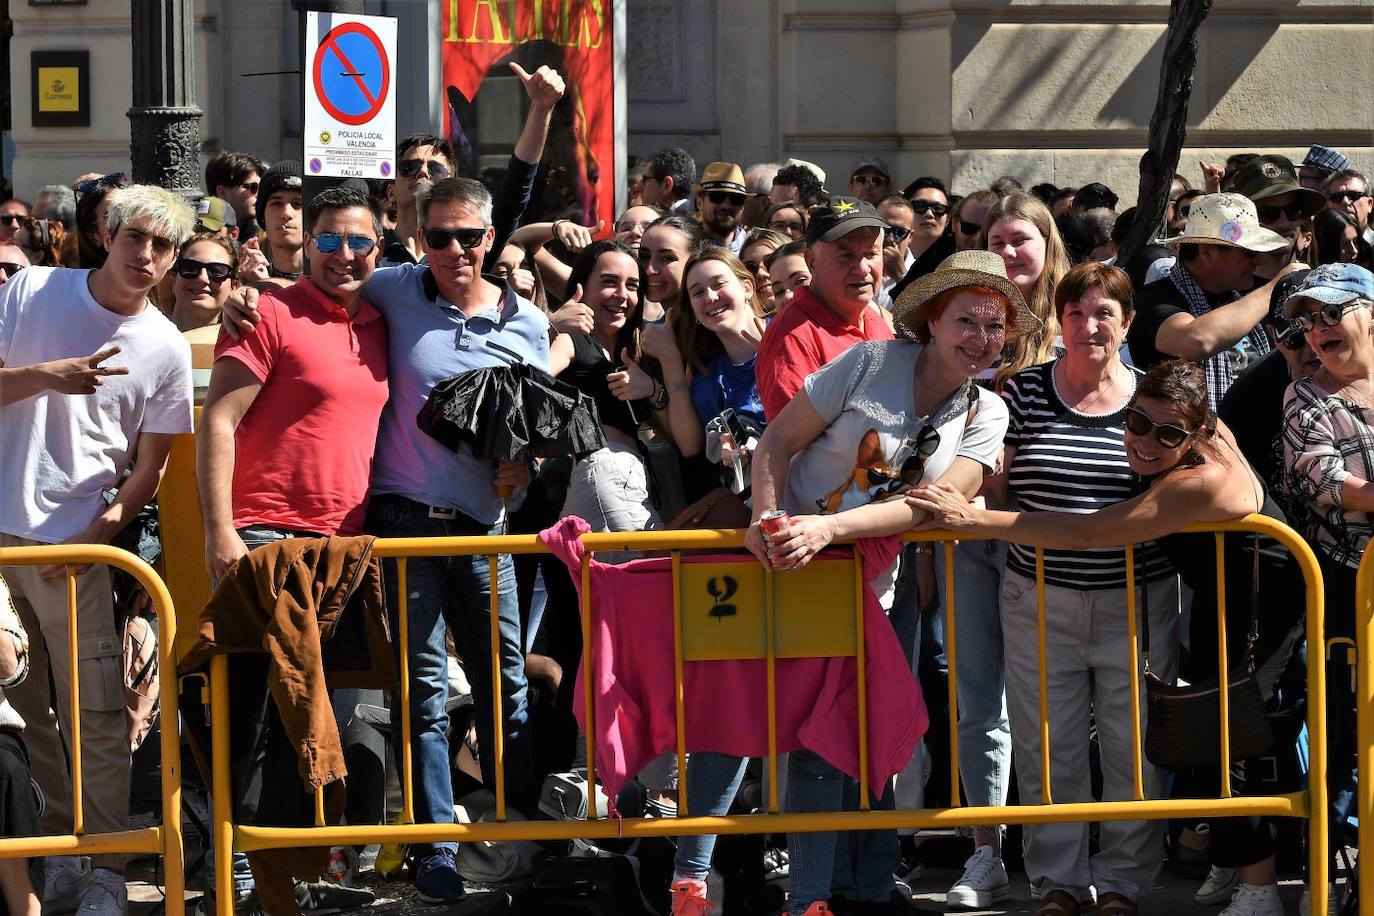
<point>838,216</point>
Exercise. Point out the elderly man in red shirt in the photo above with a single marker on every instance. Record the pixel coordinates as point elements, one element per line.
<point>845,255</point>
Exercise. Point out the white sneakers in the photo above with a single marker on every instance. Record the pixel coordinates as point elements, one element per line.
<point>1218,888</point>
<point>984,882</point>
<point>1255,900</point>
<point>70,885</point>
<point>105,894</point>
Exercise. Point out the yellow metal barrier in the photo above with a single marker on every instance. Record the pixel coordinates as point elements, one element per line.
<point>1310,804</point>
<point>165,839</point>
<point>1364,717</point>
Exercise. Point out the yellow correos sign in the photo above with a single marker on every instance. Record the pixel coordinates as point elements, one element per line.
<point>59,89</point>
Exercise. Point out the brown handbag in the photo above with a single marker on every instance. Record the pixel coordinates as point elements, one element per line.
<point>721,508</point>
<point>1183,730</point>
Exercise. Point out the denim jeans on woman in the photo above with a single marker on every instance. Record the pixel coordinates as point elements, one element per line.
<point>453,594</point>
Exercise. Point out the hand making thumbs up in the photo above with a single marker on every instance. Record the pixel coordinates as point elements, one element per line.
<point>544,86</point>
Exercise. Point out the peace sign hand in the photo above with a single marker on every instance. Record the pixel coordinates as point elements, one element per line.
<point>81,374</point>
<point>544,86</point>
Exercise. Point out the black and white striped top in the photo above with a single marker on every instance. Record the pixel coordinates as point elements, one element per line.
<point>1068,461</point>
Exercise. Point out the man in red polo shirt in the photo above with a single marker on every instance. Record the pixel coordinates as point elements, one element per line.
<point>290,422</point>
<point>845,255</point>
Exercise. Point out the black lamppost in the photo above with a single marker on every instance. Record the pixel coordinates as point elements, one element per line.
<point>165,120</point>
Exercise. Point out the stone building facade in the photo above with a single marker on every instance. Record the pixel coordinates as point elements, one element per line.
<point>1046,90</point>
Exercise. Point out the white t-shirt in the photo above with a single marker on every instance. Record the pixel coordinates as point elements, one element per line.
<point>59,451</point>
<point>876,438</point>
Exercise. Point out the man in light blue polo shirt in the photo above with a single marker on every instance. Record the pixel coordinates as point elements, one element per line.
<point>444,318</point>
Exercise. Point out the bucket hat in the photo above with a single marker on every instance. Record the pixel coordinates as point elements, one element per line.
<point>910,313</point>
<point>1226,219</point>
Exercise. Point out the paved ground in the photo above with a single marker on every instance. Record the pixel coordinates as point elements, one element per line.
<point>1173,896</point>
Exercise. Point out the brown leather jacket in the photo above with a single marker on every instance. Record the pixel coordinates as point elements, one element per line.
<point>288,599</point>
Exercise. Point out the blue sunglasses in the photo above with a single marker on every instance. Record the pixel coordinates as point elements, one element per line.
<point>330,242</point>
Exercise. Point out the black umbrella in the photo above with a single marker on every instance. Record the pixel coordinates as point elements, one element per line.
<point>512,413</point>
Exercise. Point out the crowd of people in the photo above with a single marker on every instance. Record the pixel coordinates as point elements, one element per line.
<point>867,357</point>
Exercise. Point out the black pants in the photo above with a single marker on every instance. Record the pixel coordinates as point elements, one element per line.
<point>18,801</point>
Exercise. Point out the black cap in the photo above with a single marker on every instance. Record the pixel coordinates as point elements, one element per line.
<point>1286,287</point>
<point>1272,176</point>
<point>1092,196</point>
<point>283,176</point>
<point>838,216</point>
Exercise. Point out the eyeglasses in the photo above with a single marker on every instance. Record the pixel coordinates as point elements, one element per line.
<point>409,168</point>
<point>116,179</point>
<point>721,197</point>
<point>1331,315</point>
<point>1271,214</point>
<point>9,268</point>
<point>1169,435</point>
<point>440,239</point>
<point>967,228</point>
<point>330,242</point>
<point>1348,197</point>
<point>895,234</point>
<point>250,186</point>
<point>871,181</point>
<point>923,207</point>
<point>787,226</point>
<point>189,269</point>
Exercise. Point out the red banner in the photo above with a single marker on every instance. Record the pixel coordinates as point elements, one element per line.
<point>574,37</point>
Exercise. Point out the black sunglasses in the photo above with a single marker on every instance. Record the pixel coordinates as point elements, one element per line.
<point>1169,435</point>
<point>720,197</point>
<point>330,242</point>
<point>409,168</point>
<point>9,268</point>
<point>967,228</point>
<point>1271,214</point>
<point>189,269</point>
<point>1184,210</point>
<point>754,266</point>
<point>929,206</point>
<point>927,444</point>
<point>250,186</point>
<point>1348,197</point>
<point>440,239</point>
<point>1331,315</point>
<point>897,234</point>
<point>15,218</point>
<point>115,179</point>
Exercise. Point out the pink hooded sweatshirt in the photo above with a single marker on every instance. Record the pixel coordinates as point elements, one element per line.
<point>725,701</point>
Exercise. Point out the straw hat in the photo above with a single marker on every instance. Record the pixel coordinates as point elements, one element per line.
<point>1227,219</point>
<point>963,268</point>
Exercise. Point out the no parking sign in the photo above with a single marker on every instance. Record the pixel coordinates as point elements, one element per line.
<point>350,95</point>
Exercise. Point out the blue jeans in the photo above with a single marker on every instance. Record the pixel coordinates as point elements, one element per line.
<point>856,864</point>
<point>712,781</point>
<point>454,593</point>
<point>984,732</point>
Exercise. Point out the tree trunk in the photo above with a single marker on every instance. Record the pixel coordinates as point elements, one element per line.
<point>1168,124</point>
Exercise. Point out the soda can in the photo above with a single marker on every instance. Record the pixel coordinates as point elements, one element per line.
<point>774,521</point>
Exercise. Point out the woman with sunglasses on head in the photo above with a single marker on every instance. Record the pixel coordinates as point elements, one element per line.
<point>663,252</point>
<point>1336,238</point>
<point>1329,447</point>
<point>789,218</point>
<point>204,278</point>
<point>92,235</point>
<point>1189,471</point>
<point>881,418</point>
